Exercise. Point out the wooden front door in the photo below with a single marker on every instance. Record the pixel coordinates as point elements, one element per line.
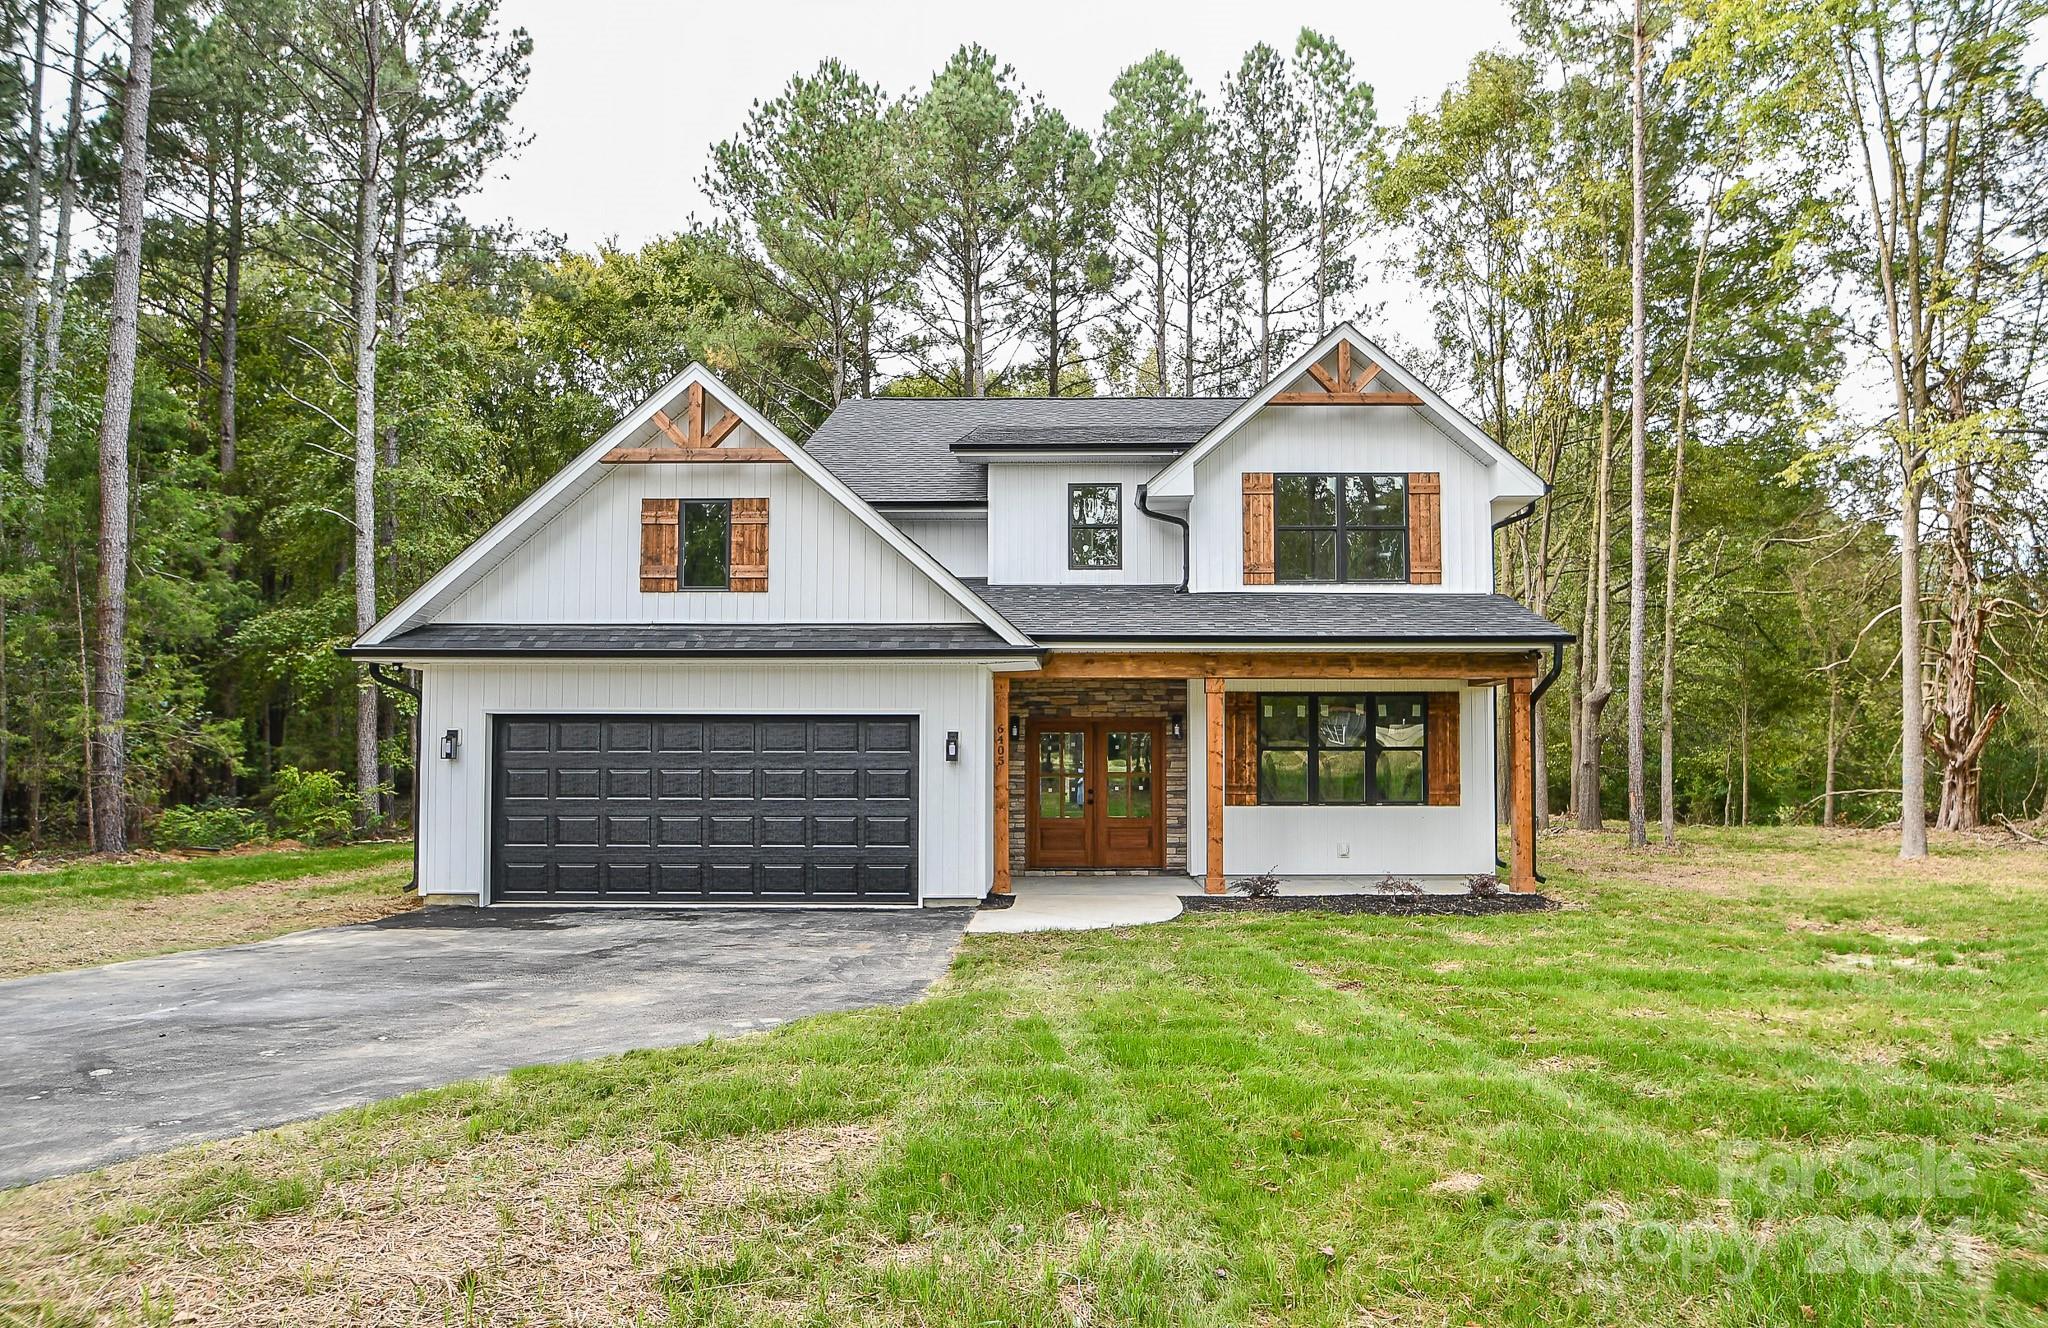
<point>1098,790</point>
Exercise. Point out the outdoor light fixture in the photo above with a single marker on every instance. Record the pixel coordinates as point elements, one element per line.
<point>449,742</point>
<point>1016,728</point>
<point>1173,725</point>
<point>953,744</point>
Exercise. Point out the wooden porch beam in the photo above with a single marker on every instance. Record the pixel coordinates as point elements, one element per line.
<point>1212,754</point>
<point>1446,665</point>
<point>1521,789</point>
<point>641,454</point>
<point>1000,746</point>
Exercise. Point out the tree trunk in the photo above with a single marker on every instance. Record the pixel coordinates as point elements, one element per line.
<point>1599,575</point>
<point>110,681</point>
<point>1638,447</point>
<point>1827,788</point>
<point>1912,714</point>
<point>231,299</point>
<point>1745,756</point>
<point>32,226</point>
<point>36,443</point>
<point>368,149</point>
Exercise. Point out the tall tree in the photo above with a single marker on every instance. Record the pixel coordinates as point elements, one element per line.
<point>1338,110</point>
<point>1146,135</point>
<point>32,228</point>
<point>962,204</point>
<point>1638,411</point>
<point>804,188</point>
<point>36,440</point>
<point>1065,261</point>
<point>1262,128</point>
<point>110,664</point>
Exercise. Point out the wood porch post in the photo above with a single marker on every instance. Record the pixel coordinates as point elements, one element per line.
<point>1213,759</point>
<point>1000,877</point>
<point>1521,790</point>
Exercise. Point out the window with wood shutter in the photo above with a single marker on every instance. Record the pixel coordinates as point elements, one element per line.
<point>1443,781</point>
<point>1258,528</point>
<point>1425,528</point>
<point>660,550</point>
<point>1241,748</point>
<point>749,544</point>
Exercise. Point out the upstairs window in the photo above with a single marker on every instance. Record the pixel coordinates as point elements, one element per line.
<point>1338,749</point>
<point>1335,528</point>
<point>706,543</point>
<point>1095,526</point>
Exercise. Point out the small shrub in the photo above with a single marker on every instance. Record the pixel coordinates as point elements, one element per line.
<point>1391,884</point>
<point>1486,885</point>
<point>210,825</point>
<point>1263,886</point>
<point>317,806</point>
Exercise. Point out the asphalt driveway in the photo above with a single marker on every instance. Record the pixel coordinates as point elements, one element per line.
<point>107,1063</point>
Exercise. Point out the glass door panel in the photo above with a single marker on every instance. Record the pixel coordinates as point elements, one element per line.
<point>1062,774</point>
<point>1127,774</point>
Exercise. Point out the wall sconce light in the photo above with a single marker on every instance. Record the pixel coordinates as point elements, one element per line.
<point>450,740</point>
<point>952,744</point>
<point>1016,728</point>
<point>1173,725</point>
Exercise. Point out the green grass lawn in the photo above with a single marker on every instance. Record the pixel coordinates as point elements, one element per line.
<point>1777,1078</point>
<point>99,912</point>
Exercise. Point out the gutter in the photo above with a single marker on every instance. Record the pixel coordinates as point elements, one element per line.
<point>386,678</point>
<point>1522,515</point>
<point>1514,518</point>
<point>1170,519</point>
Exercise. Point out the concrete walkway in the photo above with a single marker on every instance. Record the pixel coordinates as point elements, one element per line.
<point>1090,903</point>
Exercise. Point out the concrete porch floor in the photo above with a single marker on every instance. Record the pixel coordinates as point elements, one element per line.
<point>1090,903</point>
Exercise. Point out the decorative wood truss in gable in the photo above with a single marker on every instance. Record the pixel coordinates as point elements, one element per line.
<point>1343,389</point>
<point>691,440</point>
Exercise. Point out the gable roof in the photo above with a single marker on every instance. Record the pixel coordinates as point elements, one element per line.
<point>901,449</point>
<point>639,425</point>
<point>1054,613</point>
<point>1178,478</point>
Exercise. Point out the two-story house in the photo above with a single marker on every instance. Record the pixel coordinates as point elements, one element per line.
<point>950,643</point>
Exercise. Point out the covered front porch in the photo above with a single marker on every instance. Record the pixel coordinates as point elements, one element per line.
<point>1112,765</point>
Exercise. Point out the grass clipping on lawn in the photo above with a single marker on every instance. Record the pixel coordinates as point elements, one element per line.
<point>1230,1119</point>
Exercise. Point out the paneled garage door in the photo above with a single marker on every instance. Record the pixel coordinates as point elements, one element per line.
<point>679,808</point>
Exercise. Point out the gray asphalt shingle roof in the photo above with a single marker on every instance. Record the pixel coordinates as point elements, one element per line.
<point>632,640</point>
<point>899,449</point>
<point>1126,612</point>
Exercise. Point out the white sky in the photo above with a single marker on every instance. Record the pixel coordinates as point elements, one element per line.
<point>626,96</point>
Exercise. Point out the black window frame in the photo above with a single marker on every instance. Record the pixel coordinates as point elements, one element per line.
<point>1313,748</point>
<point>1116,489</point>
<point>683,507</point>
<point>1340,529</point>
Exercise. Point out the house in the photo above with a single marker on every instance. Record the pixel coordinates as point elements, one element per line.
<point>952,643</point>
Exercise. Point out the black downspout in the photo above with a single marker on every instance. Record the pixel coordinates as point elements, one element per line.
<point>1180,521</point>
<point>1536,698</point>
<point>386,678</point>
<point>1521,514</point>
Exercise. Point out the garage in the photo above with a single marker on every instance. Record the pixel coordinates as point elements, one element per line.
<point>781,809</point>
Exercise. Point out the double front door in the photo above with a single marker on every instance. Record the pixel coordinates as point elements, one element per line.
<point>1098,790</point>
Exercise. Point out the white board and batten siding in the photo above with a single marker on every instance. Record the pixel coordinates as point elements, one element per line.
<point>953,796</point>
<point>959,543</point>
<point>824,563</point>
<point>1027,530</point>
<point>1413,842</point>
<point>1345,440</point>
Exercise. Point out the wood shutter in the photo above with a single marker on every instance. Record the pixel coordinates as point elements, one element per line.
<point>749,570</point>
<point>659,551</point>
<point>1258,528</point>
<point>1425,528</point>
<point>1442,738</point>
<point>1241,746</point>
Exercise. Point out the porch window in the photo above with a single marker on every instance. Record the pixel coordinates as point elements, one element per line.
<point>1095,526</point>
<point>1340,528</point>
<point>706,543</point>
<point>1342,749</point>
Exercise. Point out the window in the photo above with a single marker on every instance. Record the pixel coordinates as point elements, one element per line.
<point>1340,527</point>
<point>1095,525</point>
<point>1339,749</point>
<point>706,544</point>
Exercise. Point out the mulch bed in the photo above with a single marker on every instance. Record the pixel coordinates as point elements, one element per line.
<point>1400,906</point>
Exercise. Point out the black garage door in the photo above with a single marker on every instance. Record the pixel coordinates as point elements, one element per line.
<point>765,808</point>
